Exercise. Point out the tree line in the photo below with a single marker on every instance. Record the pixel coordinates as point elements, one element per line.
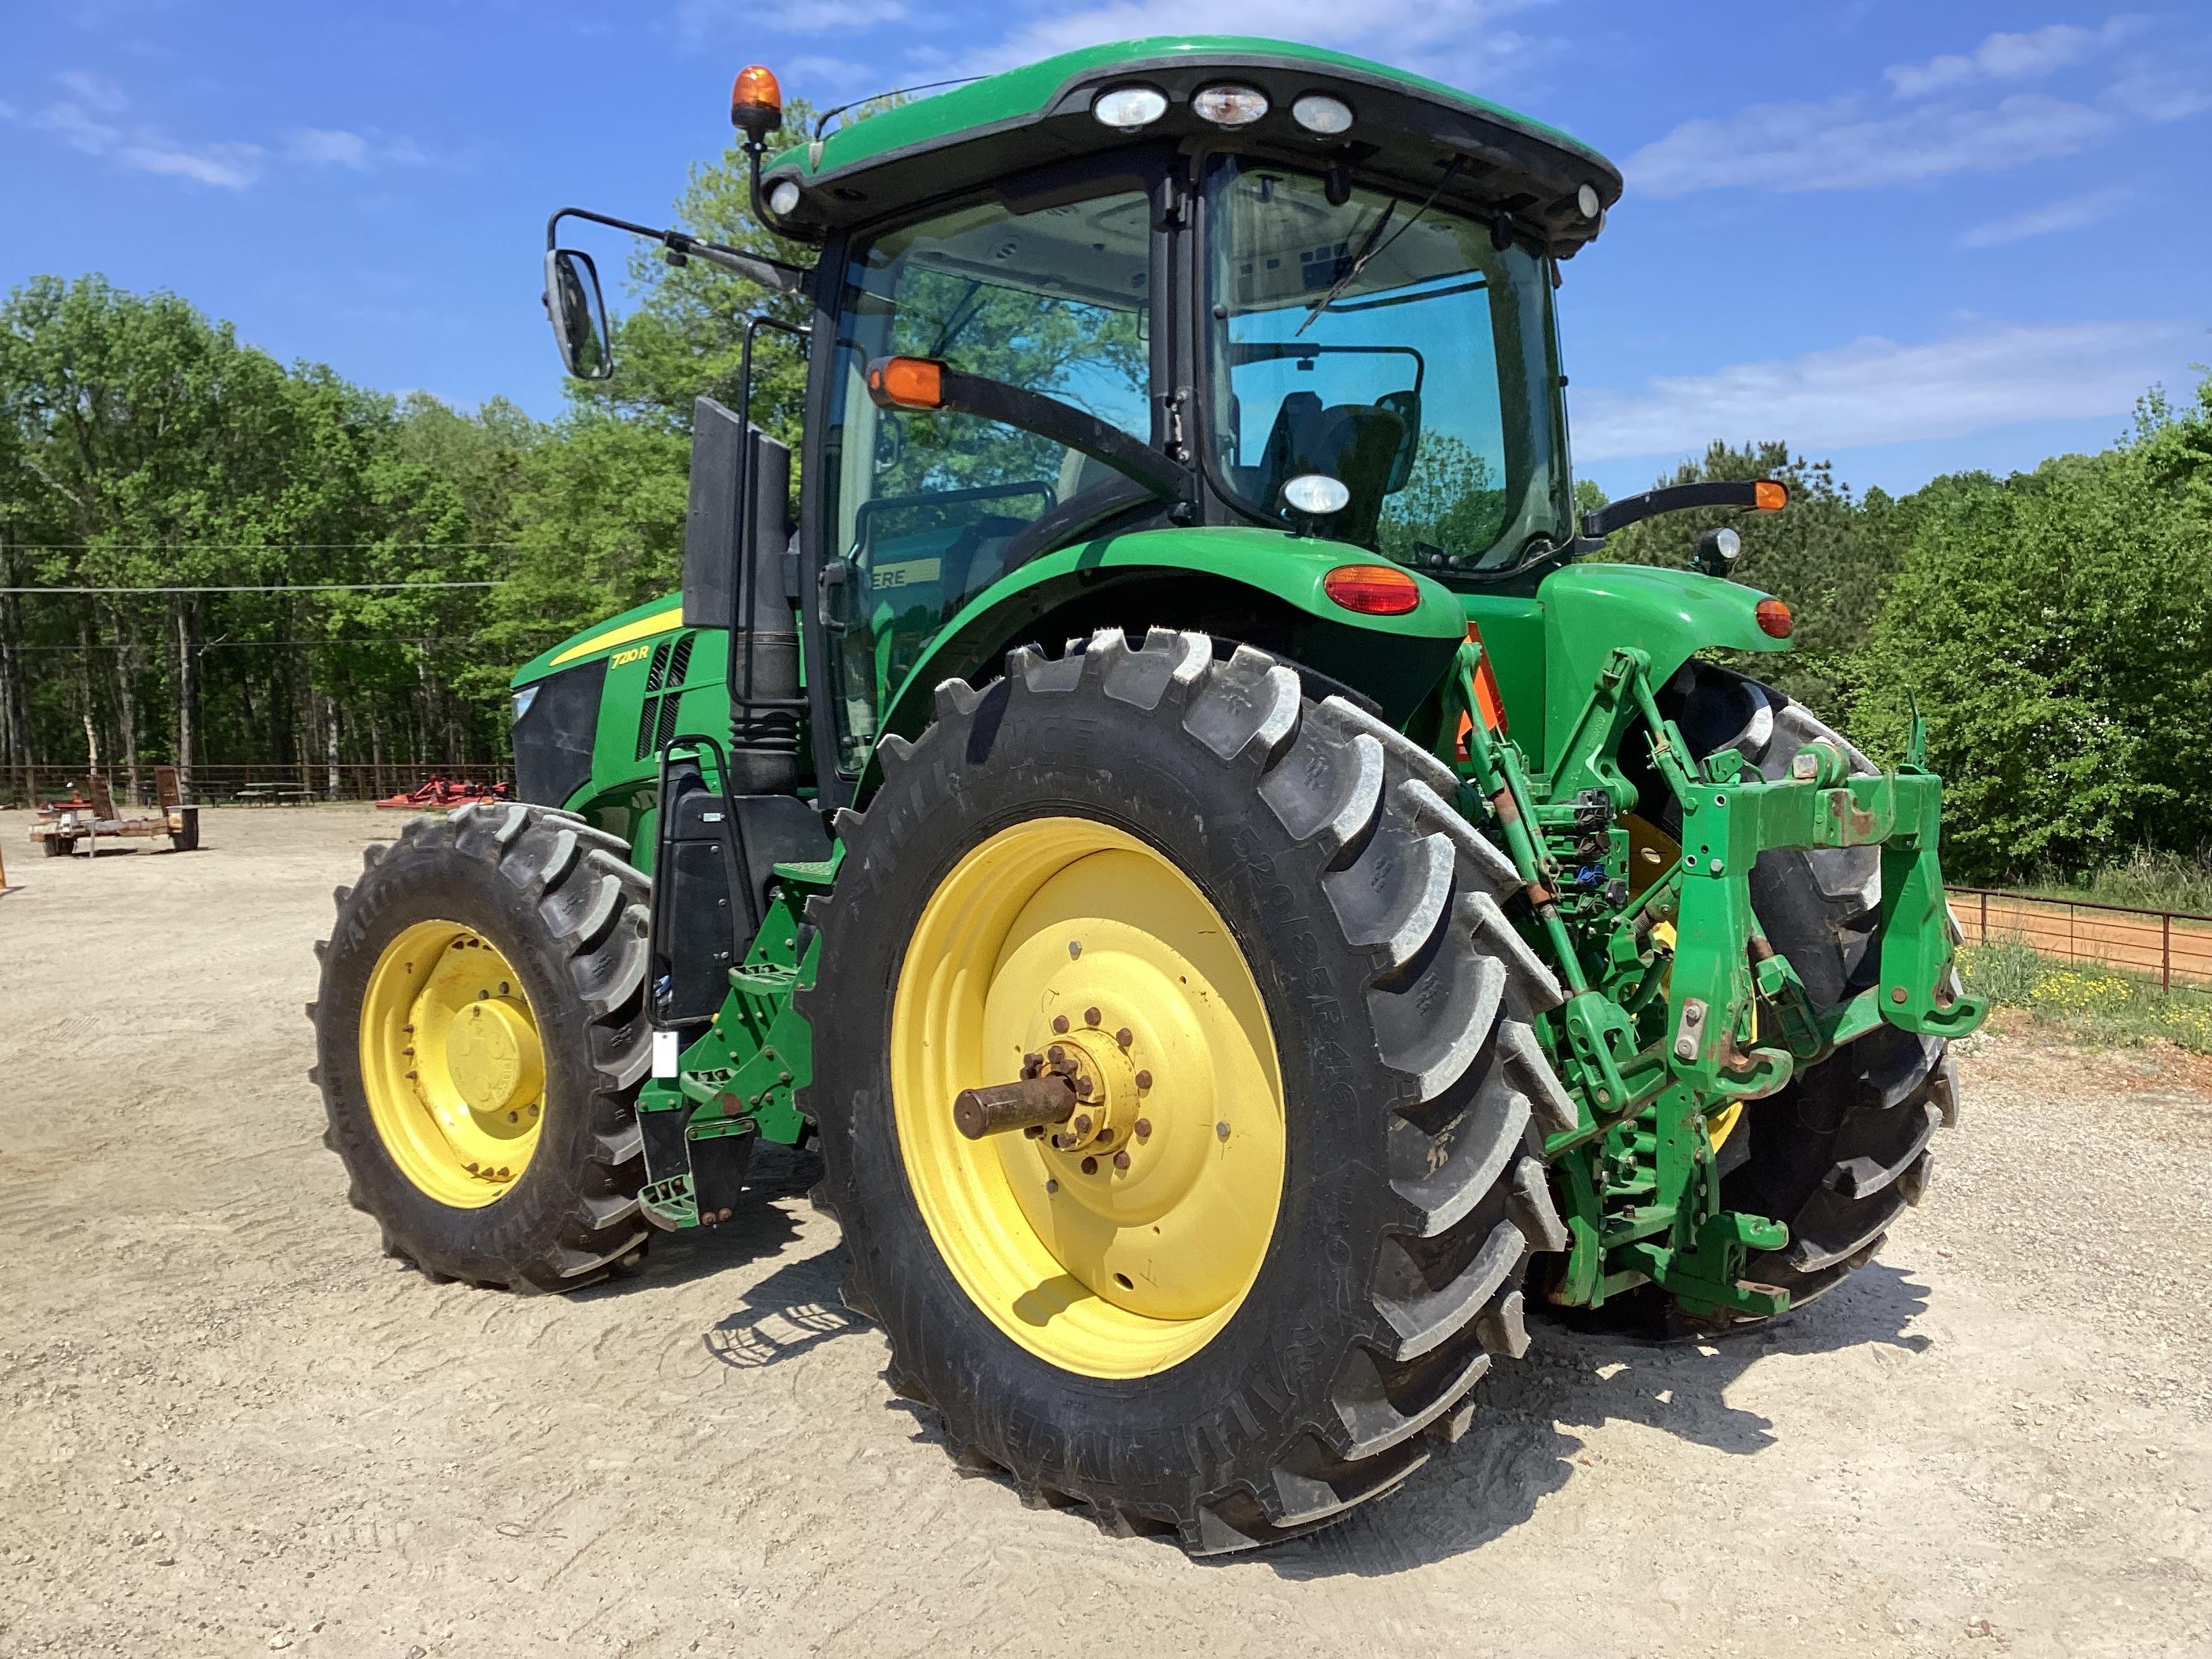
<point>2053,627</point>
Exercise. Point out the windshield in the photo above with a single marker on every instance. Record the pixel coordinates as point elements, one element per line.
<point>927,508</point>
<point>1394,347</point>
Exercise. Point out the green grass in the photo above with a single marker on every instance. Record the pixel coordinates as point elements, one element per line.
<point>2096,1004</point>
<point>2147,881</point>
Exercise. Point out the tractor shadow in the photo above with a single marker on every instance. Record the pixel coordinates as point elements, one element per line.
<point>1522,1447</point>
<point>796,1307</point>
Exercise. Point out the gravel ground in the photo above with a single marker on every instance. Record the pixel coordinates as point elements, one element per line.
<point>228,1426</point>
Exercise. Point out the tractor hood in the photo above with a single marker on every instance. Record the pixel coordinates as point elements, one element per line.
<point>1403,126</point>
<point>638,626</point>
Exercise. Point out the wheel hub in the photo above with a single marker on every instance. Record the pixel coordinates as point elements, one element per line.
<point>451,1063</point>
<point>1114,1226</point>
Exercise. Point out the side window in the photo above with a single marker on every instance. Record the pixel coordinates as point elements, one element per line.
<point>924,507</point>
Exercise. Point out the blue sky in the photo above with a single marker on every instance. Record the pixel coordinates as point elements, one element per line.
<point>1910,237</point>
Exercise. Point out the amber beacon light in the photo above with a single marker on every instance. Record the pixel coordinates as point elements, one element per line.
<point>756,102</point>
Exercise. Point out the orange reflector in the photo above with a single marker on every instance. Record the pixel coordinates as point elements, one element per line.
<point>1488,698</point>
<point>1769,496</point>
<point>755,100</point>
<point>907,382</point>
<point>1373,590</point>
<point>1774,618</point>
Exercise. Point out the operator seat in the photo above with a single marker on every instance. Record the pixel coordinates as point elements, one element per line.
<point>1356,444</point>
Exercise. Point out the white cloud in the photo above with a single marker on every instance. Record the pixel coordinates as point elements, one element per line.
<point>227,167</point>
<point>1948,114</point>
<point>94,90</point>
<point>2072,214</point>
<point>1875,391</point>
<point>2007,57</point>
<point>1406,32</point>
<point>1835,146</point>
<point>93,118</point>
<point>361,152</point>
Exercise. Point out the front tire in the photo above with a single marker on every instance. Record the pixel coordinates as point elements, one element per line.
<point>481,1033</point>
<point>1243,861</point>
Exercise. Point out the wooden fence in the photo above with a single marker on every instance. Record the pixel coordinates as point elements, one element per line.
<point>2173,946</point>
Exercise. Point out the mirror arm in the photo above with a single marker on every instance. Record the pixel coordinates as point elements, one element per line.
<point>1674,498</point>
<point>773,274</point>
<point>1061,423</point>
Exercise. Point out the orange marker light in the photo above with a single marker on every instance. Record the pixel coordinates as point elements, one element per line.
<point>907,383</point>
<point>755,101</point>
<point>1373,590</point>
<point>1769,496</point>
<point>1774,618</point>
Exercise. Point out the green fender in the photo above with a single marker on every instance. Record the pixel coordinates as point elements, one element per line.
<point>1167,578</point>
<point>1591,610</point>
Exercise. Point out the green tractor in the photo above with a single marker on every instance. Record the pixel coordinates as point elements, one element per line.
<point>1241,911</point>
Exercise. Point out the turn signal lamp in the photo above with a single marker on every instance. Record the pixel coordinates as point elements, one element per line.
<point>1774,618</point>
<point>1372,590</point>
<point>1230,106</point>
<point>1769,496</point>
<point>907,383</point>
<point>756,102</point>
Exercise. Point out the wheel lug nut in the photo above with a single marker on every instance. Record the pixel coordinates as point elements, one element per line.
<point>1144,1079</point>
<point>1105,1137</point>
<point>1060,1022</point>
<point>1055,1053</point>
<point>1144,1127</point>
<point>1051,1186</point>
<point>1090,1015</point>
<point>1091,1166</point>
<point>1121,1160</point>
<point>1125,1037</point>
<point>1082,1124</point>
<point>1032,1060</point>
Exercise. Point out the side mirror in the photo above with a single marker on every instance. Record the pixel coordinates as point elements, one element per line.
<point>579,313</point>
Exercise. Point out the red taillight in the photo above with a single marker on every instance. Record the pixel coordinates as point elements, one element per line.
<point>1373,590</point>
<point>1774,618</point>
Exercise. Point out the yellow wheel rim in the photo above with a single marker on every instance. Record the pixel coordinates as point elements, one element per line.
<point>1124,1255</point>
<point>452,1064</point>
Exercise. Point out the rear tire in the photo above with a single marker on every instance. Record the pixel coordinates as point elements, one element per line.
<point>1413,1094</point>
<point>555,898</point>
<point>1841,1151</point>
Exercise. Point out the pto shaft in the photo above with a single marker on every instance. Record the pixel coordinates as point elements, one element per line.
<point>1037,1100</point>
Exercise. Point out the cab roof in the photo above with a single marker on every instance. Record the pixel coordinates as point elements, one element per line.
<point>1404,126</point>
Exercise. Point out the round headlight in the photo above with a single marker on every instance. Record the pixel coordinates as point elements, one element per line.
<point>1318,112</point>
<point>1586,199</point>
<point>1727,544</point>
<point>783,199</point>
<point>1230,106</point>
<point>1127,108</point>
<point>1317,494</point>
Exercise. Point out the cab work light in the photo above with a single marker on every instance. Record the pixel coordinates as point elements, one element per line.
<point>907,383</point>
<point>1322,115</point>
<point>1373,590</point>
<point>1127,108</point>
